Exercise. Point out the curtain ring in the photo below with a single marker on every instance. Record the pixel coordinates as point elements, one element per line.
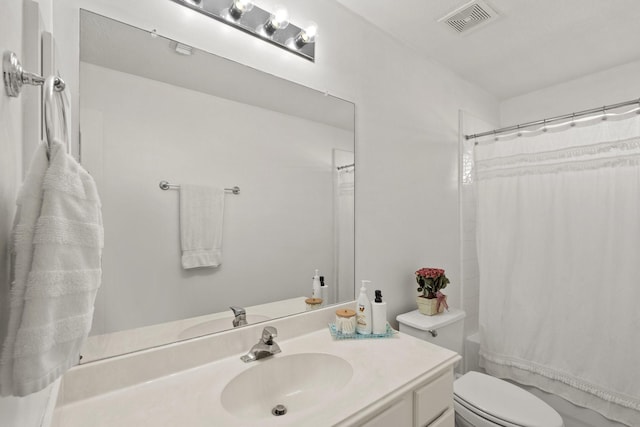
<point>573,117</point>
<point>544,125</point>
<point>604,115</point>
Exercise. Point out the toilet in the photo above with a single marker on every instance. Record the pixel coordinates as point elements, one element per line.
<point>480,400</point>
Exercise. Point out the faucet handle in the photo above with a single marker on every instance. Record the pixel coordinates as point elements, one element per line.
<point>268,334</point>
<point>238,311</point>
<point>240,318</point>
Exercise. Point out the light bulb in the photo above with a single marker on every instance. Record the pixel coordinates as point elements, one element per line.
<point>311,32</point>
<point>243,5</point>
<point>277,21</point>
<point>307,35</point>
<point>240,7</point>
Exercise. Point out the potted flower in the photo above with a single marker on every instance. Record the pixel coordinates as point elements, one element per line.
<point>430,282</point>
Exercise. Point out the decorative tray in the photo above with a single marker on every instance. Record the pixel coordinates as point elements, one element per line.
<point>355,336</point>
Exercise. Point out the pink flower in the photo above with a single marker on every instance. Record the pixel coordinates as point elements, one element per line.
<point>433,273</point>
<point>430,281</point>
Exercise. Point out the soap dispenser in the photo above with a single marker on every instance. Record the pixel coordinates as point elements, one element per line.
<point>379,314</point>
<point>324,291</point>
<point>363,311</point>
<point>315,291</point>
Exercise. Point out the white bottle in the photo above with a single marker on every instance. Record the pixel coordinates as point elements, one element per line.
<point>363,311</point>
<point>324,292</point>
<point>315,290</point>
<point>379,314</point>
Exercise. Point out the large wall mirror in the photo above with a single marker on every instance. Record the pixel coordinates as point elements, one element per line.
<point>152,110</point>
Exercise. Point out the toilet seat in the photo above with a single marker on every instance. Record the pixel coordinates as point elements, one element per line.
<point>503,403</point>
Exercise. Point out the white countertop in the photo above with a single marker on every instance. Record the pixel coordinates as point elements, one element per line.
<point>382,370</point>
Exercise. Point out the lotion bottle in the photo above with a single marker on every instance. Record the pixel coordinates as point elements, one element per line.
<point>379,314</point>
<point>315,290</point>
<point>363,311</point>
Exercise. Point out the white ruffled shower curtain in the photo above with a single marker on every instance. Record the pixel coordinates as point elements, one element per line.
<point>558,237</point>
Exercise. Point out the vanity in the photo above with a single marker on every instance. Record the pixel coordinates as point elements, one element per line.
<point>320,381</point>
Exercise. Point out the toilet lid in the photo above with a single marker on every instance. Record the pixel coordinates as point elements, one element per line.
<point>504,401</point>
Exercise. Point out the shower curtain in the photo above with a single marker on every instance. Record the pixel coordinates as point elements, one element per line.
<point>558,236</point>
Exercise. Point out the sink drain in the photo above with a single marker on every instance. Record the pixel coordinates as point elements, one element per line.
<point>279,410</point>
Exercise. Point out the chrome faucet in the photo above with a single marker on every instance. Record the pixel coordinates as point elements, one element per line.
<point>240,316</point>
<point>265,347</point>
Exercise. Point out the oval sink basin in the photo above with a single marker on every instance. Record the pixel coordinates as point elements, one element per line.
<point>297,381</point>
<point>217,325</point>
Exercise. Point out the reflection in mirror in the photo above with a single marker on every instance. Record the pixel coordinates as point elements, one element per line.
<point>152,109</point>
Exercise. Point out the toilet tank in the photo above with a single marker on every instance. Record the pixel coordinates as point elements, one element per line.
<point>444,329</point>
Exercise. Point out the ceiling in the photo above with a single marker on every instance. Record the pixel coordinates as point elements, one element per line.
<point>532,45</point>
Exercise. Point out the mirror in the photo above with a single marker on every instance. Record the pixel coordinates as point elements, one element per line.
<point>153,109</point>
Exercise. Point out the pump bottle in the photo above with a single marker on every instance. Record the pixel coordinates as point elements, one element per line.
<point>324,292</point>
<point>379,314</point>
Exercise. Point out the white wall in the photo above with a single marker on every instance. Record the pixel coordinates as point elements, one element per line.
<point>149,131</point>
<point>10,172</point>
<point>607,87</point>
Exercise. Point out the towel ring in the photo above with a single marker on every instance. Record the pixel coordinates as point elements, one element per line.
<point>50,91</point>
<point>15,77</point>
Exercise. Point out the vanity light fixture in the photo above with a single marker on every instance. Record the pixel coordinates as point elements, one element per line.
<point>272,27</point>
<point>239,8</point>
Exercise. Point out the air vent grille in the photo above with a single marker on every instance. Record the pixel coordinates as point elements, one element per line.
<point>470,16</point>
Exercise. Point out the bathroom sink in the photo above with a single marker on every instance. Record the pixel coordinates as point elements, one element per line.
<point>297,382</point>
<point>217,325</point>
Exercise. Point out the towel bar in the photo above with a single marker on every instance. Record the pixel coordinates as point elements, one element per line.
<point>164,185</point>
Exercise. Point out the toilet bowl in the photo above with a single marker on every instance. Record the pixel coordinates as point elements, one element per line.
<point>484,401</point>
<point>479,400</point>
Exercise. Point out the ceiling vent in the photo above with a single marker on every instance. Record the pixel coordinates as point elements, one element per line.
<point>471,16</point>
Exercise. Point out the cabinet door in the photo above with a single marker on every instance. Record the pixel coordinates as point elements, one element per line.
<point>448,419</point>
<point>398,415</point>
<point>433,400</point>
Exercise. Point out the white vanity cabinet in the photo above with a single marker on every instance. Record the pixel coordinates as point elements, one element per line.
<point>430,404</point>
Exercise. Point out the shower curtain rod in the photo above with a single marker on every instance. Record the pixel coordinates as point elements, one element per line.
<point>553,119</point>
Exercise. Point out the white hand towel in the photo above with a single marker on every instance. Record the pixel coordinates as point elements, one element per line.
<point>63,279</point>
<point>201,217</point>
<point>29,204</point>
